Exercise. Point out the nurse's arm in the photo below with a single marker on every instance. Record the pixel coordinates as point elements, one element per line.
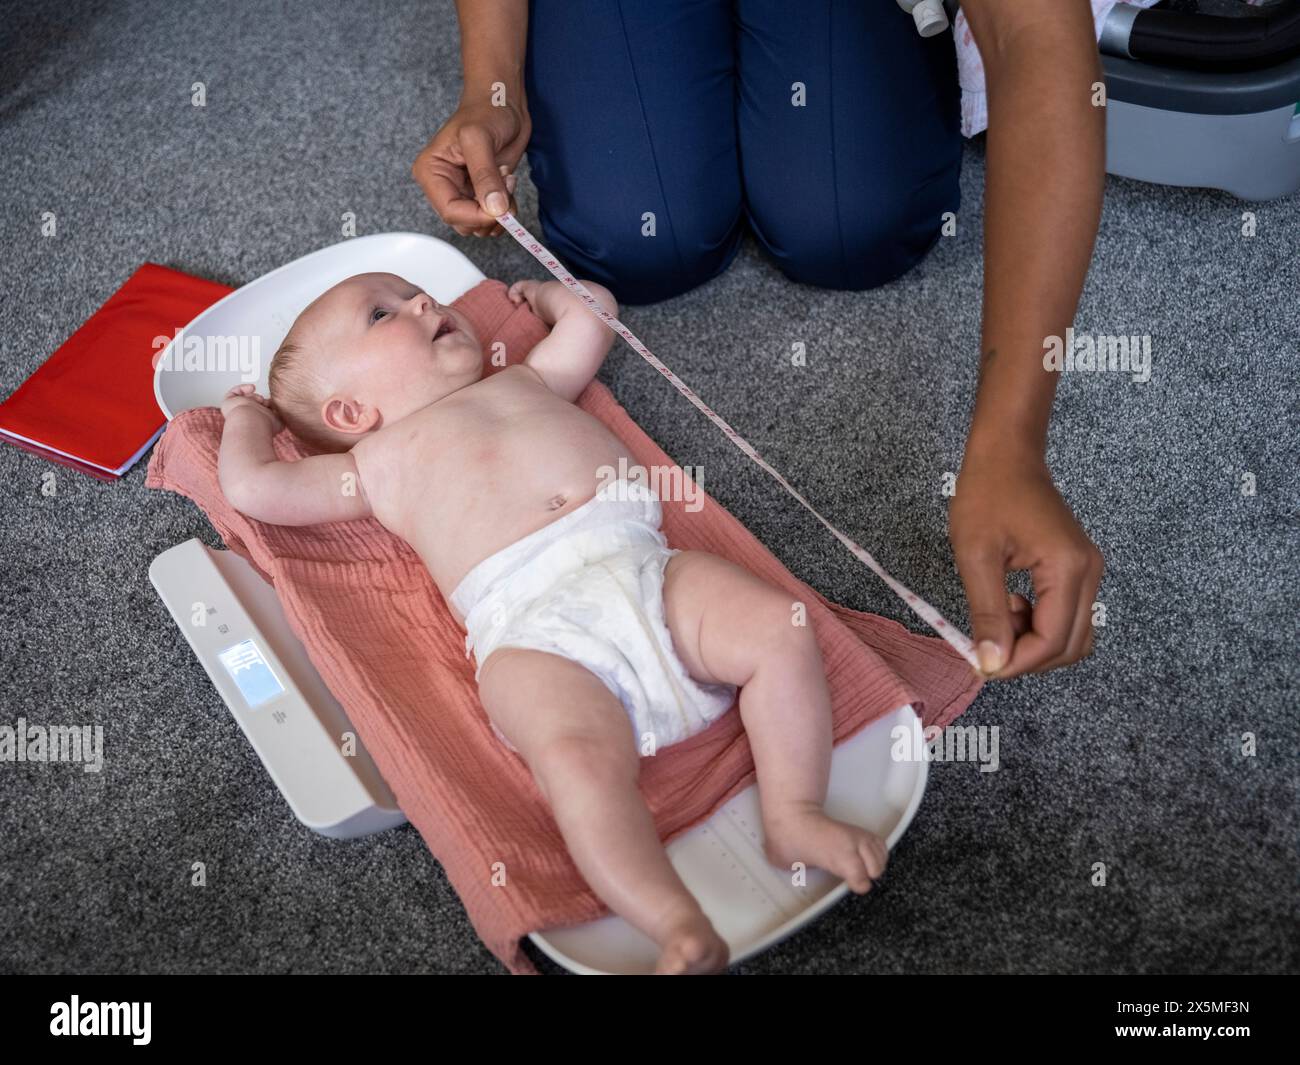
<point>1042,203</point>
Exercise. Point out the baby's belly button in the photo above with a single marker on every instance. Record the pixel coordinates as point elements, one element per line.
<point>570,493</point>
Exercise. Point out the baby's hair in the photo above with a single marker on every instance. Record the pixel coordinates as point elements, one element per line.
<point>296,393</point>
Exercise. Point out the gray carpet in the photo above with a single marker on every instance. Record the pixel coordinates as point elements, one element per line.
<point>1132,758</point>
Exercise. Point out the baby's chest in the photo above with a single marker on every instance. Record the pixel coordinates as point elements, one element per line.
<point>418,463</point>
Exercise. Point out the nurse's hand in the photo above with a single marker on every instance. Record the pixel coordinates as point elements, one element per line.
<point>467,170</point>
<point>1007,515</point>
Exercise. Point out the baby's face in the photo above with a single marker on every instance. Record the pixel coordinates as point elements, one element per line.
<point>385,348</point>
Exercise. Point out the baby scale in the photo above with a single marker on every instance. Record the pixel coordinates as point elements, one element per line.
<point>265,676</point>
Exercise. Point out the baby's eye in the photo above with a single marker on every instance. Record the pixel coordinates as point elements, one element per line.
<point>374,315</point>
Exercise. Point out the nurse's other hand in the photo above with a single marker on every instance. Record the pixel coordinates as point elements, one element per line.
<point>467,169</point>
<point>1007,515</point>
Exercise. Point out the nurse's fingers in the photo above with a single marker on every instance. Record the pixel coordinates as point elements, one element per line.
<point>481,166</point>
<point>512,182</point>
<point>1056,593</point>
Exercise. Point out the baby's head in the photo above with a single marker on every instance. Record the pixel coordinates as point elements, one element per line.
<point>366,353</point>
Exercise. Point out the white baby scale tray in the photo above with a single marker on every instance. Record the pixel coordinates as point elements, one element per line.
<point>264,674</point>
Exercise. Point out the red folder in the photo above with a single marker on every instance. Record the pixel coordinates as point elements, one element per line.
<point>91,404</point>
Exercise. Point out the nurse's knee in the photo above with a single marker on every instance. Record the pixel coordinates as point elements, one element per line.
<point>867,247</point>
<point>651,257</point>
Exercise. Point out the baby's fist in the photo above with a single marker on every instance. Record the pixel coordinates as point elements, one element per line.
<point>244,396</point>
<point>524,292</point>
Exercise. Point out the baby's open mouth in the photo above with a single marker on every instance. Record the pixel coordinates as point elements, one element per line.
<point>444,327</point>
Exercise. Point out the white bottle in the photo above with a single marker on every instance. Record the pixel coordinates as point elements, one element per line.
<point>929,15</point>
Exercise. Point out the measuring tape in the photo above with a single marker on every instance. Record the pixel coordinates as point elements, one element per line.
<point>955,637</point>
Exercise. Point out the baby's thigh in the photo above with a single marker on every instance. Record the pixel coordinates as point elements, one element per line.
<point>724,619</point>
<point>544,703</point>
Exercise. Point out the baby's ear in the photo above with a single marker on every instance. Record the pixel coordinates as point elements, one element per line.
<point>335,412</point>
<point>344,415</point>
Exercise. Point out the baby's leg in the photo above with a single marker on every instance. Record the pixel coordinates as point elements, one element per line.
<point>575,736</point>
<point>731,626</point>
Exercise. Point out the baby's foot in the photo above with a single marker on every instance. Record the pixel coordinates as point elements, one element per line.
<point>803,833</point>
<point>692,948</point>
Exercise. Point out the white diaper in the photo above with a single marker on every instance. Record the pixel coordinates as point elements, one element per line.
<point>589,587</point>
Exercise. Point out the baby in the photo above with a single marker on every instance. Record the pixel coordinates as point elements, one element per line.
<point>595,641</point>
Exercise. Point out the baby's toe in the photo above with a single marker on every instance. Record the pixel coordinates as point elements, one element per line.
<point>875,854</point>
<point>865,864</point>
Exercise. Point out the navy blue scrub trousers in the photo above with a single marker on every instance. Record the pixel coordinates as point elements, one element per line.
<point>684,118</point>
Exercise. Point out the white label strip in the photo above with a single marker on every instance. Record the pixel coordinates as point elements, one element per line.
<point>955,637</point>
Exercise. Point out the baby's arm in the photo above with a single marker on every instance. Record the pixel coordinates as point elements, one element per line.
<point>316,489</point>
<point>568,359</point>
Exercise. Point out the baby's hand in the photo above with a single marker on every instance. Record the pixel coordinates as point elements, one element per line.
<point>245,396</point>
<point>525,292</point>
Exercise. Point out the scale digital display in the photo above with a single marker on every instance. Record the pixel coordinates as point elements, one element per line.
<point>249,670</point>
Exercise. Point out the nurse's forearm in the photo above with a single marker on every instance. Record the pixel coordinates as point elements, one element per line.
<point>1042,203</point>
<point>493,40</point>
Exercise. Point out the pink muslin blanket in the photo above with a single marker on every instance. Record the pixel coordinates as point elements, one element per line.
<point>377,629</point>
